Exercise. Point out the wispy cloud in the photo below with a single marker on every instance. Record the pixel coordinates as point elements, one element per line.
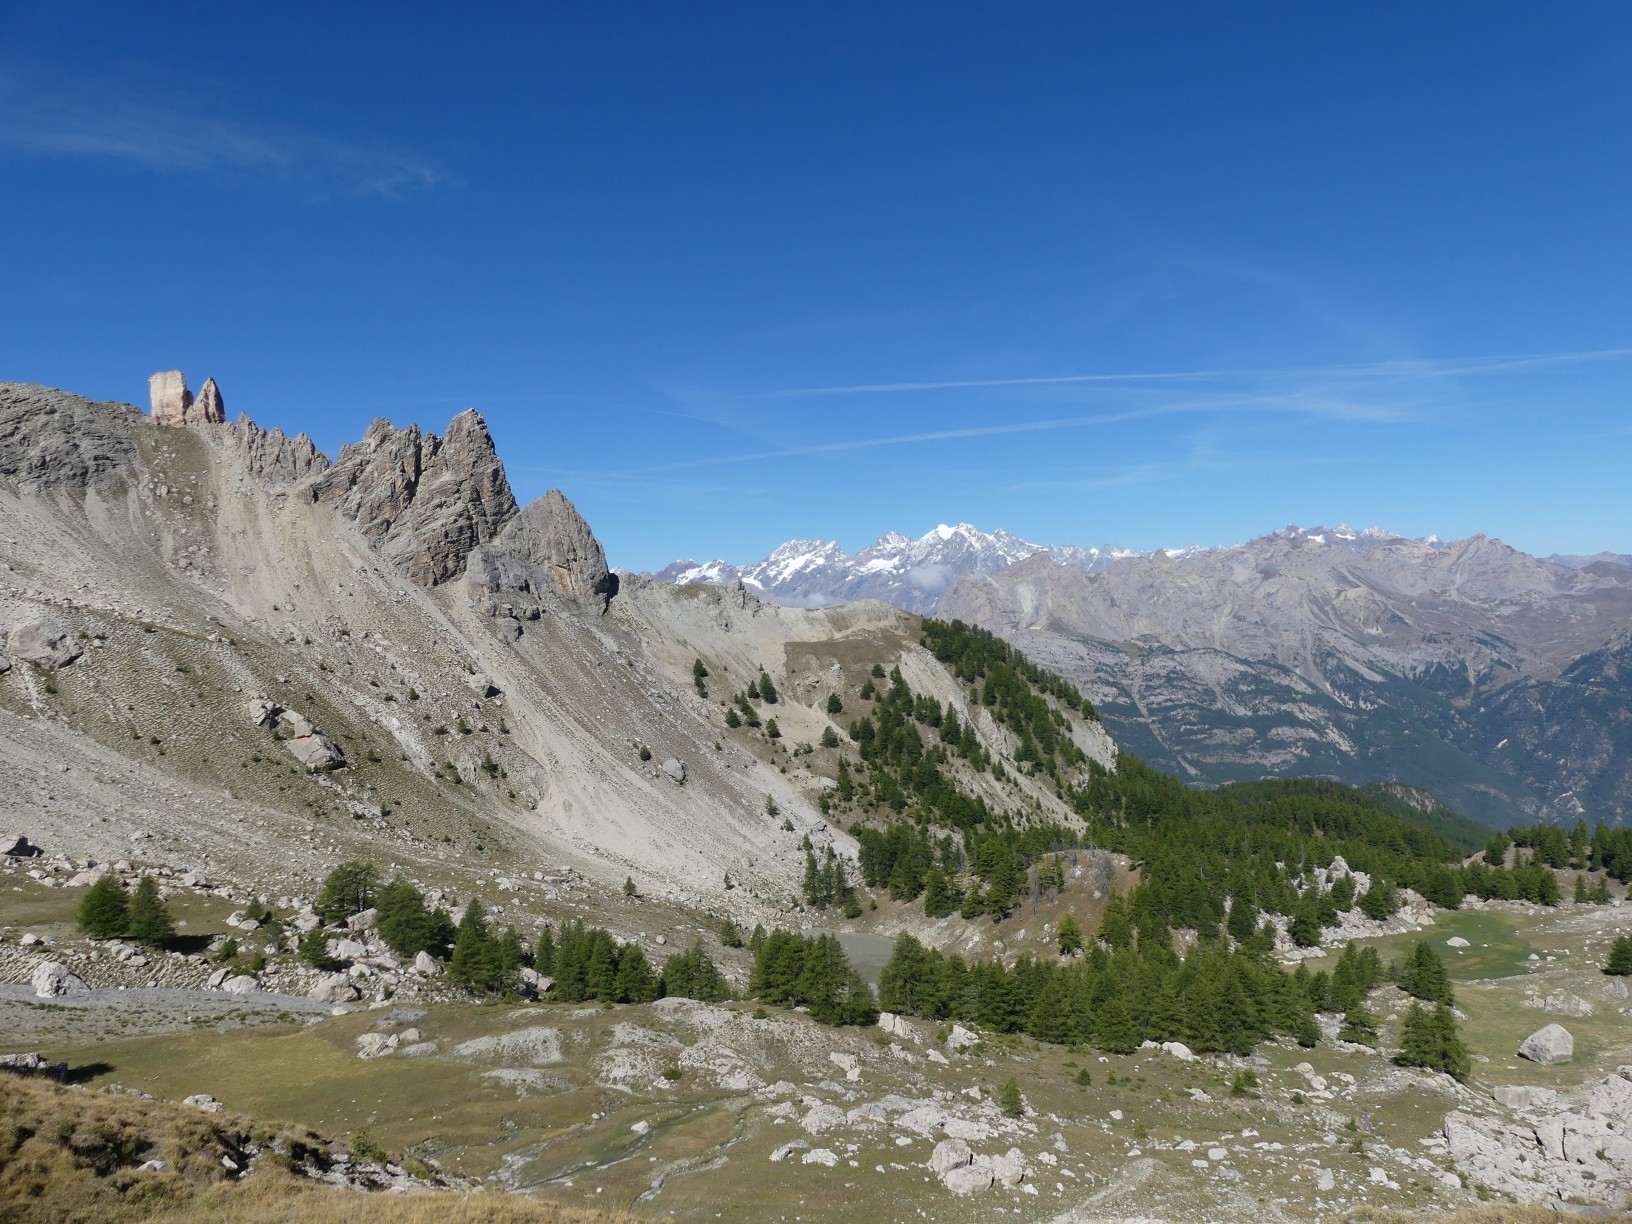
<point>1407,368</point>
<point>118,123</point>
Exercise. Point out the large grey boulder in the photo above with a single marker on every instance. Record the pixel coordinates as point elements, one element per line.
<point>427,965</point>
<point>44,641</point>
<point>316,752</point>
<point>1548,1045</point>
<point>335,988</point>
<point>968,1180</point>
<point>674,769</point>
<point>949,1154</point>
<point>53,979</point>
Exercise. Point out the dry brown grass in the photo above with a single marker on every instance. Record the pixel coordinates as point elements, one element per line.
<point>69,1156</point>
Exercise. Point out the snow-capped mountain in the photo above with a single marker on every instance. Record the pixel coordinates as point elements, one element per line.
<point>911,573</point>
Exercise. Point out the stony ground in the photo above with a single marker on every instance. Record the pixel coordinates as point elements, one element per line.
<point>689,1111</point>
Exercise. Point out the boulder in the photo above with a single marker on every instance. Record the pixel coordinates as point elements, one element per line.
<point>264,713</point>
<point>1178,1050</point>
<point>961,1039</point>
<point>5,664</point>
<point>482,685</point>
<point>674,768</point>
<point>1522,1096</point>
<point>43,641</point>
<point>346,949</point>
<point>316,752</point>
<point>33,1065</point>
<point>204,1101</point>
<point>376,1045</point>
<point>1548,1045</point>
<point>427,965</point>
<point>822,1117</point>
<point>53,979</point>
<point>899,1027</point>
<point>1456,941</point>
<point>820,1156</point>
<point>240,984</point>
<point>335,988</point>
<point>968,1180</point>
<point>1009,1168</point>
<point>949,1154</point>
<point>362,920</point>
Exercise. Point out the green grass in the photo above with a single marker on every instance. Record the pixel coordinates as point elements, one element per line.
<point>1501,943</point>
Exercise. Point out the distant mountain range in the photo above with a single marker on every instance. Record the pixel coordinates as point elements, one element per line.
<point>1487,675</point>
<point>911,573</point>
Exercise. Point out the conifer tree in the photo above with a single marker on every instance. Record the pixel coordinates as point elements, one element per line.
<point>349,889</point>
<point>1424,976</point>
<point>1070,936</point>
<point>635,981</point>
<point>150,921</point>
<point>1116,924</point>
<point>1114,1031</point>
<point>472,965</point>
<point>1619,963</point>
<point>1359,1025</point>
<point>104,911</point>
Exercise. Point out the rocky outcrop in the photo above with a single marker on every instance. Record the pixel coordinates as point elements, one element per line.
<point>173,404</point>
<point>51,439</point>
<point>422,502</point>
<point>548,547</point>
<point>274,456</point>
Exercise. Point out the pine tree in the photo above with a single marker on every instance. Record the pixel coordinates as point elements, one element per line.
<point>1070,936</point>
<point>635,981</point>
<point>834,704</point>
<point>1619,963</point>
<point>104,912</point>
<point>1581,895</point>
<point>1114,1030</point>
<point>1381,901</point>
<point>349,889</point>
<point>544,953</point>
<point>150,921</point>
<point>767,690</point>
<point>1424,976</point>
<point>472,966</point>
<point>941,896</point>
<point>1359,1025</point>
<point>1116,924</point>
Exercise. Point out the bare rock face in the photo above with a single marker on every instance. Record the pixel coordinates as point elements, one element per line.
<point>208,407</point>
<point>173,403</point>
<point>169,397</point>
<point>274,456</point>
<point>547,547</point>
<point>421,501</point>
<point>51,439</point>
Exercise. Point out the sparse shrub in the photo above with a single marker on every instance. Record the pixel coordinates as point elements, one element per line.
<point>365,1149</point>
<point>1245,1085</point>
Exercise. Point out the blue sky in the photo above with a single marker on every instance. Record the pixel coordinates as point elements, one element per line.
<point>730,274</point>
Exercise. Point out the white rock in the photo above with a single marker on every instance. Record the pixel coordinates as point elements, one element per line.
<point>426,965</point>
<point>335,988</point>
<point>949,1154</point>
<point>642,1127</point>
<point>204,1101</point>
<point>376,1045</point>
<point>1178,1050</point>
<point>820,1156</point>
<point>967,1180</point>
<point>243,983</point>
<point>52,979</point>
<point>674,769</point>
<point>822,1117</point>
<point>961,1039</point>
<point>1548,1045</point>
<point>1456,941</point>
